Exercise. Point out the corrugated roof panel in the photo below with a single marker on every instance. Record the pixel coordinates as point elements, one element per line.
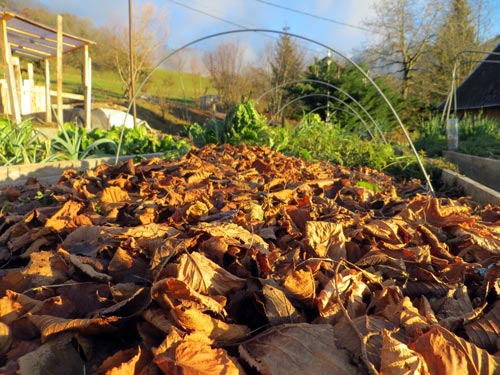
<point>482,88</point>
<point>37,40</point>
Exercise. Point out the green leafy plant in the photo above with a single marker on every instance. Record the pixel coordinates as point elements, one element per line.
<point>67,144</point>
<point>21,144</point>
<point>242,124</point>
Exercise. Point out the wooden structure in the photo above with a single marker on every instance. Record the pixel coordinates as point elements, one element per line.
<point>479,93</point>
<point>23,37</point>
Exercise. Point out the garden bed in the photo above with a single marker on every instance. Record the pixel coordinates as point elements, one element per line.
<point>50,172</point>
<point>483,170</point>
<point>245,261</point>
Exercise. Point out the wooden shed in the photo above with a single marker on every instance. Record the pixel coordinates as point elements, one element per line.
<point>480,92</point>
<point>21,37</point>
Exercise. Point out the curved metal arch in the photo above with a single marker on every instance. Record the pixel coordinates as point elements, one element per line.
<point>332,97</point>
<point>291,82</point>
<point>347,58</point>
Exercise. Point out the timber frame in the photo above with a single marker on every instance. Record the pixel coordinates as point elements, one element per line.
<point>20,36</point>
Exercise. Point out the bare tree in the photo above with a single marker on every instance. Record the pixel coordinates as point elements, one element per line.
<point>149,36</point>
<point>405,29</point>
<point>224,65</point>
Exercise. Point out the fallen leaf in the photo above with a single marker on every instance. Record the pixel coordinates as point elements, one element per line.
<point>215,329</point>
<point>277,308</point>
<point>5,340</point>
<point>192,358</point>
<point>326,239</point>
<point>45,268</point>
<point>114,194</point>
<point>49,325</point>
<point>122,362</point>
<point>300,285</point>
<point>447,354</point>
<point>56,357</point>
<point>178,291</point>
<point>205,276</point>
<point>398,359</point>
<point>234,231</point>
<point>298,349</point>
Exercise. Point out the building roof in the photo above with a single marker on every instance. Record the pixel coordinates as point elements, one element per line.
<point>482,88</point>
<point>35,40</point>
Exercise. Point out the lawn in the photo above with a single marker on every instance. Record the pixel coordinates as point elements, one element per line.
<point>107,86</point>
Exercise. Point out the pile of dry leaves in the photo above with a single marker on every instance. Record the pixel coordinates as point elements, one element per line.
<point>241,260</point>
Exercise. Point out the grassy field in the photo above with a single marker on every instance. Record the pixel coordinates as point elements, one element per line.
<point>163,83</point>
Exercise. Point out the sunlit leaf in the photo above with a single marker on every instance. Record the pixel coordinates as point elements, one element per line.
<point>448,354</point>
<point>205,276</point>
<point>398,359</point>
<point>192,358</point>
<point>298,349</point>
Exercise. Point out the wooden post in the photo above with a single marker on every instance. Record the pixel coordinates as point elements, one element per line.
<point>30,73</point>
<point>59,70</point>
<point>131,61</point>
<point>87,87</point>
<point>48,101</point>
<point>16,65</point>
<point>9,73</point>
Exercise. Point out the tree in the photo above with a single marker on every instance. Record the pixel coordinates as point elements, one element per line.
<point>352,101</point>
<point>457,32</point>
<point>405,29</point>
<point>224,65</point>
<point>286,61</point>
<point>149,35</point>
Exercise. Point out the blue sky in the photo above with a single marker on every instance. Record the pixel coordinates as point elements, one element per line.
<point>335,23</point>
<point>188,20</point>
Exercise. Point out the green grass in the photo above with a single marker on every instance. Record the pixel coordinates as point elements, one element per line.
<point>107,86</point>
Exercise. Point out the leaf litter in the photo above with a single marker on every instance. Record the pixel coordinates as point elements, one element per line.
<point>241,260</point>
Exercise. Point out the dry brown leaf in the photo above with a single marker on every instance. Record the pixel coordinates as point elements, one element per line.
<point>114,194</point>
<point>485,331</point>
<point>123,362</point>
<point>67,217</point>
<point>234,231</point>
<point>370,327</point>
<point>215,329</point>
<point>453,308</point>
<point>45,268</point>
<point>5,340</point>
<point>56,357</point>
<point>124,267</point>
<point>84,267</point>
<point>50,325</point>
<point>402,313</point>
<point>179,292</point>
<point>442,216</point>
<point>205,276</point>
<point>298,349</point>
<point>90,240</point>
<point>386,230</point>
<point>350,289</point>
<point>193,358</point>
<point>157,318</point>
<point>277,308</point>
<point>126,308</point>
<point>447,354</point>
<point>13,305</point>
<point>398,359</point>
<point>327,239</point>
<point>196,210</point>
<point>146,215</point>
<point>301,286</point>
